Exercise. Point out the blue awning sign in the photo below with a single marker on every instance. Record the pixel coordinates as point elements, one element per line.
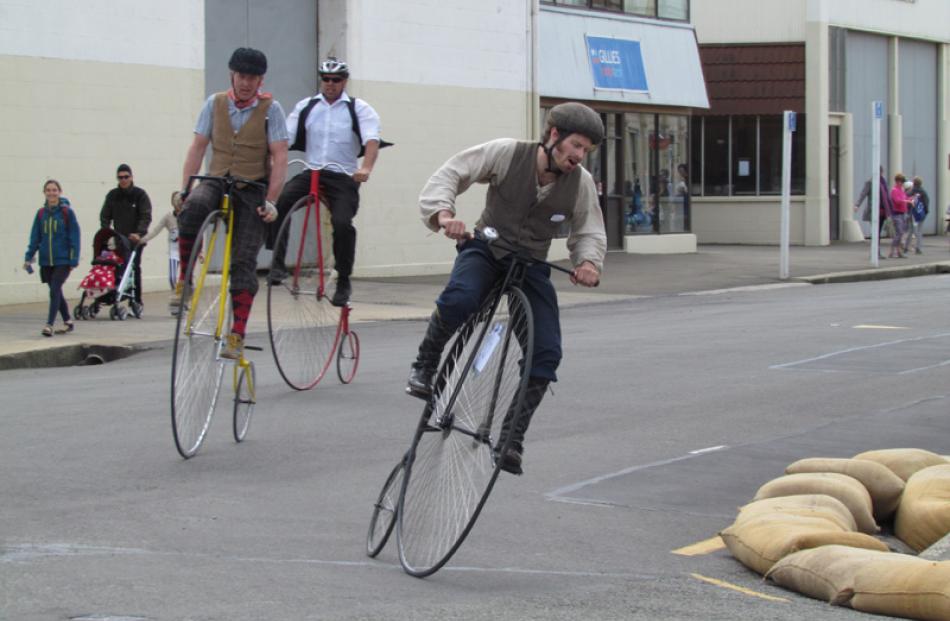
<point>616,64</point>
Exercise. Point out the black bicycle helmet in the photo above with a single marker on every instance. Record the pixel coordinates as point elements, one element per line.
<point>249,61</point>
<point>333,66</point>
<point>576,118</point>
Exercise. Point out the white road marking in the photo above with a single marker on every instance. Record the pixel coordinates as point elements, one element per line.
<point>560,494</point>
<point>860,348</point>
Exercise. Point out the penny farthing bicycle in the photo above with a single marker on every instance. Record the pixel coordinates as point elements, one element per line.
<point>203,321</point>
<point>307,333</point>
<point>434,494</point>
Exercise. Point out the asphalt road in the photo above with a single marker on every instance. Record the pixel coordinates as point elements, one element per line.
<point>670,412</point>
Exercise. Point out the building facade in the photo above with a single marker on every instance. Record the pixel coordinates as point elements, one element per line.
<point>826,60</point>
<point>690,92</point>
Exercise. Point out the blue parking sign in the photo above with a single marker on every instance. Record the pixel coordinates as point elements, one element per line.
<point>616,64</point>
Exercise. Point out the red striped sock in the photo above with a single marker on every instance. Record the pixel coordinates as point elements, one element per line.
<point>185,245</point>
<point>241,302</point>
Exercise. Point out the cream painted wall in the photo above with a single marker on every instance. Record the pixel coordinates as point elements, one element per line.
<point>748,21</point>
<point>442,76</point>
<point>90,88</point>
<point>745,220</point>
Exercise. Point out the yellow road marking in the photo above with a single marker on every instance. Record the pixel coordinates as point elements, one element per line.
<point>871,326</point>
<point>738,588</point>
<point>703,547</point>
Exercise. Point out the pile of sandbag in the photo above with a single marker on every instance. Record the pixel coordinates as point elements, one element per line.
<point>812,531</point>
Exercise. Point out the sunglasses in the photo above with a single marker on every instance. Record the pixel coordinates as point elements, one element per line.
<point>124,176</point>
<point>327,78</point>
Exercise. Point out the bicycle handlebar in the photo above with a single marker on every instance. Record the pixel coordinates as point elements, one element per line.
<point>229,180</point>
<point>490,235</point>
<point>331,166</point>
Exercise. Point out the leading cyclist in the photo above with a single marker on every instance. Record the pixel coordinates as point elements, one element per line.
<point>247,131</point>
<point>533,190</point>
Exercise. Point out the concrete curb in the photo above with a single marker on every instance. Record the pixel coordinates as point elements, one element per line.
<point>904,271</point>
<point>68,355</point>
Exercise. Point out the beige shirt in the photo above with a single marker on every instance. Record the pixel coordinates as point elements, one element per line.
<point>170,222</point>
<point>489,163</point>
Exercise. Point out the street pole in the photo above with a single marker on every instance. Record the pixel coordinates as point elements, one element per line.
<point>877,112</point>
<point>788,126</point>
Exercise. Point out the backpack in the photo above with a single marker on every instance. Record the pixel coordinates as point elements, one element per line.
<point>918,211</point>
<point>300,139</point>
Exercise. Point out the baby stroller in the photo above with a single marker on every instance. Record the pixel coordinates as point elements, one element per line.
<point>110,281</point>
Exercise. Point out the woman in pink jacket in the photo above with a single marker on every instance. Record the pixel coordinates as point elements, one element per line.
<point>900,207</point>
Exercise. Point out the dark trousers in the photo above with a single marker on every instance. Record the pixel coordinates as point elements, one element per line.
<point>342,196</point>
<point>249,229</point>
<point>474,273</point>
<point>55,276</point>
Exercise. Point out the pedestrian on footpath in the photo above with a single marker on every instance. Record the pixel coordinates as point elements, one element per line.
<point>900,205</point>
<point>169,222</point>
<point>127,210</point>
<point>55,236</point>
<point>918,213</point>
<point>884,203</point>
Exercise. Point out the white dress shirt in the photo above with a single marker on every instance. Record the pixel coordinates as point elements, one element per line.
<point>331,141</point>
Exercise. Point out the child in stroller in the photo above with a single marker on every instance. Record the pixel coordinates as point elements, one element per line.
<point>109,282</point>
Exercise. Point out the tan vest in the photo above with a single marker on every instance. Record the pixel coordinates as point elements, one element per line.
<point>512,206</point>
<point>243,153</point>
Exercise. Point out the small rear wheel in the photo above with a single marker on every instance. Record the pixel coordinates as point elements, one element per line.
<point>137,308</point>
<point>384,511</point>
<point>77,312</point>
<point>348,357</point>
<point>113,313</point>
<point>244,399</point>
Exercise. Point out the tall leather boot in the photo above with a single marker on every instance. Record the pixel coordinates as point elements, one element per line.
<point>424,368</point>
<point>517,425</point>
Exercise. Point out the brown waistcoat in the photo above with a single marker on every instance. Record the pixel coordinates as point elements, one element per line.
<point>513,209</point>
<point>243,153</point>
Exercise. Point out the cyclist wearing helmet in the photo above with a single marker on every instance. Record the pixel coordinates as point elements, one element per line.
<point>247,132</point>
<point>533,190</point>
<point>325,127</point>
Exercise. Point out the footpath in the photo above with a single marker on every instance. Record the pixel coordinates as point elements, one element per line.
<point>626,276</point>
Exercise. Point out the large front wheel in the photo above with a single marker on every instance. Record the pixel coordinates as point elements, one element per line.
<point>197,368</point>
<point>302,324</point>
<point>451,467</point>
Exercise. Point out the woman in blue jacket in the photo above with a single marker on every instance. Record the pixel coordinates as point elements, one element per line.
<point>55,236</point>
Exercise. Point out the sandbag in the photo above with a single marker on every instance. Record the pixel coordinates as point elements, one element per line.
<point>805,505</point>
<point>825,573</point>
<point>882,484</point>
<point>847,489</point>
<point>903,586</point>
<point>760,542</point>
<point>903,461</point>
<point>923,517</point>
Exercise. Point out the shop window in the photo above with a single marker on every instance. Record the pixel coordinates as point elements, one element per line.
<point>673,9</point>
<point>662,9</point>
<point>742,155</point>
<point>744,168</point>
<point>640,7</point>
<point>715,156</point>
